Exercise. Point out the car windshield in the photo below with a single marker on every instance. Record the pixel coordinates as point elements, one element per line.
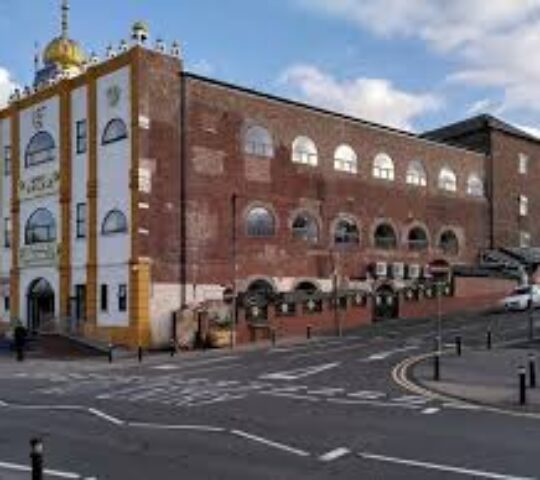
<point>522,291</point>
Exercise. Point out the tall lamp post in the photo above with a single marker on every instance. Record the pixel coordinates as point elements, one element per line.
<point>234,307</point>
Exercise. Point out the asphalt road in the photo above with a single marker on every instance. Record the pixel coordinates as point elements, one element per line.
<point>326,409</point>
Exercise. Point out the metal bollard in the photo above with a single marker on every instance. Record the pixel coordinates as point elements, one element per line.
<point>488,339</point>
<point>273,337</point>
<point>20,353</point>
<point>308,332</point>
<point>172,347</point>
<point>36,457</point>
<point>458,346</point>
<point>140,354</point>
<point>522,385</point>
<point>110,353</point>
<point>437,367</point>
<point>532,370</point>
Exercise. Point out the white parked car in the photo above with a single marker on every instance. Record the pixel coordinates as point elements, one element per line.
<point>522,297</point>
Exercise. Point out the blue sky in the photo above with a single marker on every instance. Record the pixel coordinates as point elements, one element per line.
<point>413,64</point>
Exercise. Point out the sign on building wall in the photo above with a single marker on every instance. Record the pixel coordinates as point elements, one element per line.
<point>38,255</point>
<point>39,186</point>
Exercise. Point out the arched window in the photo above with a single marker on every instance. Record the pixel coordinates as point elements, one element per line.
<point>115,131</point>
<point>385,237</point>
<point>304,151</point>
<point>115,222</point>
<point>418,239</point>
<point>40,227</point>
<point>40,149</point>
<point>475,186</point>
<point>260,222</point>
<point>305,228</point>
<point>416,174</point>
<point>383,167</point>
<point>345,159</point>
<point>258,141</point>
<point>346,232</point>
<point>447,180</point>
<point>449,243</point>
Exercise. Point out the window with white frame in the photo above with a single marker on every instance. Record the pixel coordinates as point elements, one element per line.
<point>81,220</point>
<point>416,174</point>
<point>122,297</point>
<point>345,159</point>
<point>524,239</point>
<point>258,142</point>
<point>81,136</point>
<point>383,167</point>
<point>523,206</point>
<point>7,232</point>
<point>260,223</point>
<point>7,161</point>
<point>447,180</point>
<point>304,151</point>
<point>523,164</point>
<point>475,186</point>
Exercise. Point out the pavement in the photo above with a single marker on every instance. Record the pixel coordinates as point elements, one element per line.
<point>323,409</point>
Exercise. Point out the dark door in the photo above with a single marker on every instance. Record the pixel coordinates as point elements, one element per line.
<point>40,299</point>
<point>386,304</point>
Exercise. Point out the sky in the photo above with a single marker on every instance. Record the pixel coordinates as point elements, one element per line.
<point>409,64</point>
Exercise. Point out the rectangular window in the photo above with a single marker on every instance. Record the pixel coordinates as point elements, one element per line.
<point>80,301</point>
<point>81,139</point>
<point>81,220</point>
<point>7,232</point>
<point>523,164</point>
<point>7,161</point>
<point>122,297</point>
<point>523,206</point>
<point>104,298</point>
<point>6,304</point>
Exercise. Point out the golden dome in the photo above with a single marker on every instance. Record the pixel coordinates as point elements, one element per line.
<point>64,52</point>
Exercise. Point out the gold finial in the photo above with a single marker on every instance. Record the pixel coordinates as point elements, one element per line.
<point>65,18</point>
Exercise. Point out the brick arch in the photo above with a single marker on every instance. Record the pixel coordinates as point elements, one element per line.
<point>301,280</point>
<point>345,216</point>
<point>407,229</point>
<point>259,204</point>
<point>458,232</point>
<point>380,221</point>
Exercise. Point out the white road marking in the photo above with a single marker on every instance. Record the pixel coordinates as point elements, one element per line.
<point>105,416</point>
<point>441,468</point>
<point>166,367</point>
<point>384,355</point>
<point>300,372</point>
<point>334,454</point>
<point>326,391</point>
<point>413,399</point>
<point>270,443</point>
<point>196,428</point>
<point>462,406</point>
<point>3,404</point>
<point>292,396</point>
<point>431,411</point>
<point>367,395</point>
<point>14,467</point>
<point>373,403</point>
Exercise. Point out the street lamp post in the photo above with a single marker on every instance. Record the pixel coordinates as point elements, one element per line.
<point>234,306</point>
<point>439,318</point>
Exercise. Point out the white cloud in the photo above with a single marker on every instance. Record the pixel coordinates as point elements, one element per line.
<point>534,131</point>
<point>6,86</point>
<point>372,99</point>
<point>495,42</point>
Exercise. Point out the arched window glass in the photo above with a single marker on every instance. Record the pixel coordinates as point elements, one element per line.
<point>383,167</point>
<point>475,186</point>
<point>258,141</point>
<point>449,243</point>
<point>41,149</point>
<point>346,232</point>
<point>385,237</point>
<point>115,222</point>
<point>345,159</point>
<point>115,131</point>
<point>40,227</point>
<point>305,228</point>
<point>447,180</point>
<point>304,151</point>
<point>260,222</point>
<point>416,174</point>
<point>418,240</point>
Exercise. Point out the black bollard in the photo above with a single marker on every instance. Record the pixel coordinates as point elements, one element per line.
<point>36,457</point>
<point>437,367</point>
<point>110,353</point>
<point>172,347</point>
<point>273,337</point>
<point>140,354</point>
<point>308,332</point>
<point>488,339</point>
<point>458,346</point>
<point>532,370</point>
<point>522,385</point>
<point>20,353</point>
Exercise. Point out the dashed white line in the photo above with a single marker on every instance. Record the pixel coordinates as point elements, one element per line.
<point>196,428</point>
<point>291,396</point>
<point>373,403</point>
<point>270,443</point>
<point>14,467</point>
<point>105,416</point>
<point>334,455</point>
<point>440,468</point>
<point>431,411</point>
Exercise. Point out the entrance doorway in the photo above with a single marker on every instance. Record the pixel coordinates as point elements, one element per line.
<point>40,302</point>
<point>386,305</point>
